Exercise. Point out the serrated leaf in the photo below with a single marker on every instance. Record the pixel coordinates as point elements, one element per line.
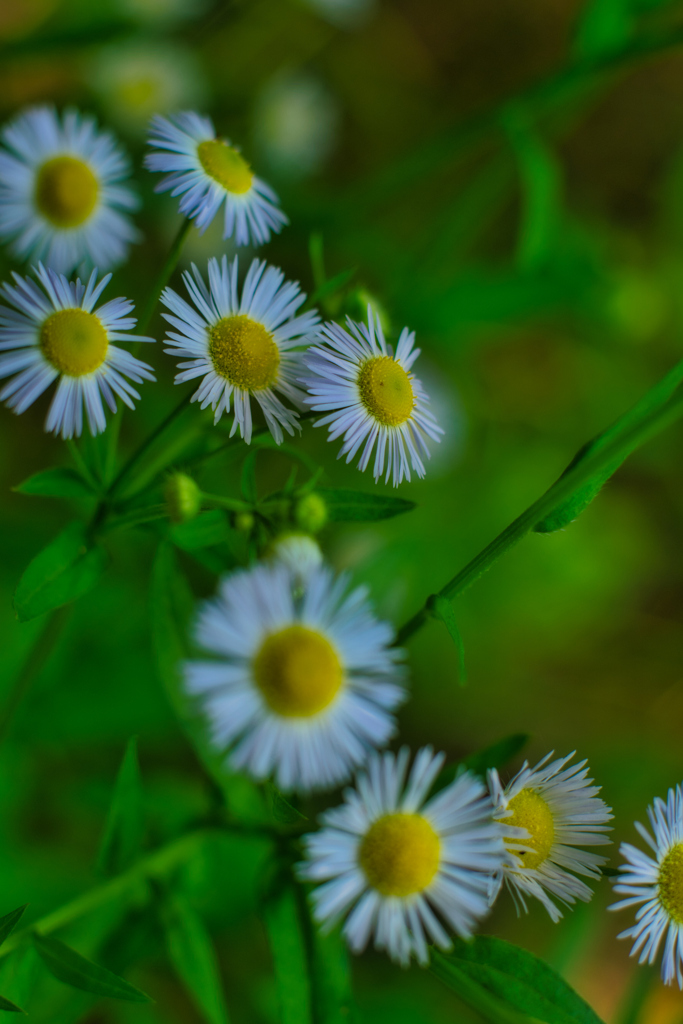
<point>360,506</point>
<point>206,530</point>
<point>9,1007</point>
<point>125,825</point>
<point>191,952</point>
<point>521,979</point>
<point>492,1009</point>
<point>283,926</point>
<point>56,483</point>
<point>66,569</point>
<point>9,921</point>
<point>75,970</point>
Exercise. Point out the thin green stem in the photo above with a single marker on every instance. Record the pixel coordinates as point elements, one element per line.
<point>143,448</point>
<point>40,652</point>
<point>164,276</point>
<point>662,405</point>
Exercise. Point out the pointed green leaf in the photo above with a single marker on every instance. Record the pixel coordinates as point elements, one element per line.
<point>360,506</point>
<point>283,926</point>
<point>66,569</point>
<point>472,993</point>
<point>9,921</point>
<point>441,608</point>
<point>56,483</point>
<point>281,809</point>
<point>75,970</point>
<point>519,978</point>
<point>335,284</point>
<point>9,1007</point>
<point>192,955</point>
<point>125,826</point>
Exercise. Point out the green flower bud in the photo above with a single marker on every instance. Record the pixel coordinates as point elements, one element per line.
<point>183,498</point>
<point>243,521</point>
<point>310,512</point>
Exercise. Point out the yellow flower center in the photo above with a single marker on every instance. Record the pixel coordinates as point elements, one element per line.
<point>75,342</point>
<point>386,391</point>
<point>244,352</point>
<point>298,672</point>
<point>66,191</point>
<point>400,854</point>
<point>671,883</point>
<point>530,811</point>
<point>225,165</point>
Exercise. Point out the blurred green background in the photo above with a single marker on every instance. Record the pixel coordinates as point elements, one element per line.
<point>506,176</point>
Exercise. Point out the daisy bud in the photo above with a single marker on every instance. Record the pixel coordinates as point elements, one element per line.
<point>310,512</point>
<point>183,498</point>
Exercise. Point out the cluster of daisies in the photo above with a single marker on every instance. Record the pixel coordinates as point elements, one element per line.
<point>299,680</point>
<point>63,204</point>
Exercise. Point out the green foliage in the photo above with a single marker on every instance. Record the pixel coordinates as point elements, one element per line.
<point>191,952</point>
<point>56,483</point>
<point>281,809</point>
<point>331,979</point>
<point>282,919</point>
<point>495,756</point>
<point>124,830</point>
<point>604,26</point>
<point>66,569</point>
<point>518,978</point>
<point>345,506</point>
<point>441,608</point>
<point>7,924</point>
<point>75,970</point>
<point>206,530</point>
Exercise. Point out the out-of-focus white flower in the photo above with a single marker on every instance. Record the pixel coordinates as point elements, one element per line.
<point>295,123</point>
<point>138,79</point>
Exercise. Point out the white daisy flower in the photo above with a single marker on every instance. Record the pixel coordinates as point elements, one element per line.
<point>393,860</point>
<point>657,883</point>
<point>207,171</point>
<point>241,347</point>
<point>62,189</point>
<point>56,333</point>
<point>299,552</point>
<point>371,397</point>
<point>547,812</point>
<point>304,681</point>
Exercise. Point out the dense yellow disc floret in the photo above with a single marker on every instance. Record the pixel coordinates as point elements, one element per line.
<point>386,391</point>
<point>400,854</point>
<point>75,342</point>
<point>530,811</point>
<point>225,165</point>
<point>298,672</point>
<point>244,352</point>
<point>671,883</point>
<point>66,191</point>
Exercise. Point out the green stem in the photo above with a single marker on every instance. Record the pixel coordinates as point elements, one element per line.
<point>231,504</point>
<point>164,276</point>
<point>142,449</point>
<point>41,651</point>
<point>664,405</point>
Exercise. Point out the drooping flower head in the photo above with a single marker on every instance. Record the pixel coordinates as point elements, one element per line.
<point>401,865</point>
<point>304,680</point>
<point>371,397</point>
<point>62,190</point>
<point>655,885</point>
<point>548,812</point>
<point>208,171</point>
<point>54,332</point>
<point>241,347</point>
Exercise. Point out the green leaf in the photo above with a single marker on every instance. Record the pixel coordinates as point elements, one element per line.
<point>204,531</point>
<point>604,26</point>
<point>360,506</point>
<point>192,955</point>
<point>249,477</point>
<point>124,830</point>
<point>56,483</point>
<point>9,1007</point>
<point>66,569</point>
<point>441,608</point>
<point>283,926</point>
<point>9,922</point>
<point>521,979</point>
<point>335,284</point>
<point>495,756</point>
<point>281,809</point>
<point>471,992</point>
<point>75,970</point>
<point>330,978</point>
